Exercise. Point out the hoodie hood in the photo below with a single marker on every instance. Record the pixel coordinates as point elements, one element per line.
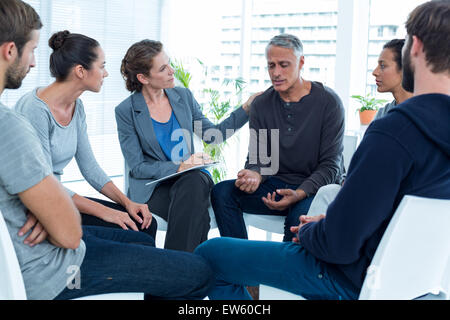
<point>430,113</point>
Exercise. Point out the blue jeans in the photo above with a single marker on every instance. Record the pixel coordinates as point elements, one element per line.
<point>288,266</point>
<point>230,202</point>
<point>126,261</point>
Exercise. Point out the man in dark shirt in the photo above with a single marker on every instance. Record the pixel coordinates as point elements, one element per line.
<point>297,129</point>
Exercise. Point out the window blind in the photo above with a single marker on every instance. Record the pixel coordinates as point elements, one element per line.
<point>116,25</point>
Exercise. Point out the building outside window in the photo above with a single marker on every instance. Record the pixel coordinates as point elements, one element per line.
<point>387,22</point>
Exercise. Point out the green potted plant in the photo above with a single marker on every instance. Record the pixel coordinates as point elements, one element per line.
<point>217,109</point>
<point>369,108</point>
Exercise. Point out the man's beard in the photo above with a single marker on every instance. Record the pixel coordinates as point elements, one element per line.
<point>15,75</point>
<point>408,72</point>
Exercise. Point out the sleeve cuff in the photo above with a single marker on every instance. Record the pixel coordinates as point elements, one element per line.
<point>70,192</point>
<point>257,169</point>
<point>240,113</point>
<point>34,180</point>
<point>309,188</point>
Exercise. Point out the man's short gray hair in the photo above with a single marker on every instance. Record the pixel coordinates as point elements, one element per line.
<point>288,41</point>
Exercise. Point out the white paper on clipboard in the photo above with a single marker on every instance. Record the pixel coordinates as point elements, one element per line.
<point>204,166</point>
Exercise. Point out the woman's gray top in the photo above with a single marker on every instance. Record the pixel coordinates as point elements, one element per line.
<point>62,143</point>
<point>384,110</point>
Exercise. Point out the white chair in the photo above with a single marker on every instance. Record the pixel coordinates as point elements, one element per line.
<point>350,145</point>
<point>413,257</point>
<point>412,260</point>
<point>275,224</point>
<point>271,293</point>
<point>269,223</point>
<point>11,281</point>
<point>115,296</point>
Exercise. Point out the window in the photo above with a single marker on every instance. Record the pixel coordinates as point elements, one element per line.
<point>342,41</point>
<point>121,24</point>
<point>241,41</point>
<point>215,69</point>
<point>387,22</point>
<point>366,25</point>
<point>380,32</point>
<point>315,24</point>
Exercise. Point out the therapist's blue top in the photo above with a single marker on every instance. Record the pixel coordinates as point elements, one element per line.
<point>171,139</point>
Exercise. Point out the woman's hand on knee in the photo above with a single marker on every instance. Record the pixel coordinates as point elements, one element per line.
<point>136,210</point>
<point>120,218</point>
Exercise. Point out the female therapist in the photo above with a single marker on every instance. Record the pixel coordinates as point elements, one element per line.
<point>155,126</point>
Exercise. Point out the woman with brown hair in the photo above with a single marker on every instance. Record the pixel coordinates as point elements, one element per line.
<point>155,126</point>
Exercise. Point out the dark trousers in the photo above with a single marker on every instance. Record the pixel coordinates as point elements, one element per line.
<point>119,260</point>
<point>183,202</point>
<point>229,203</point>
<point>89,220</point>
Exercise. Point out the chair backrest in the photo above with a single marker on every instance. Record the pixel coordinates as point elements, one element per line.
<point>350,145</point>
<point>413,257</point>
<point>269,223</point>
<point>126,178</point>
<point>11,281</point>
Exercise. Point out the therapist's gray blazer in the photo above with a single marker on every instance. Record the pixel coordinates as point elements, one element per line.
<point>140,147</point>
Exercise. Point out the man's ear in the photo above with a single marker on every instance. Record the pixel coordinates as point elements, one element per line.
<point>416,47</point>
<point>301,63</point>
<point>8,51</point>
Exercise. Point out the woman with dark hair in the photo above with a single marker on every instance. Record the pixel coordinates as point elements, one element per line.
<point>155,126</point>
<point>109,260</point>
<point>389,75</point>
<point>56,112</point>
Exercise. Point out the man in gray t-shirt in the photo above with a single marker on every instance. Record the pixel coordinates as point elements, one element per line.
<point>45,267</point>
<point>42,221</point>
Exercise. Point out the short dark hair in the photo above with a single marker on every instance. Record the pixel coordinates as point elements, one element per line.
<point>139,60</point>
<point>430,22</point>
<point>396,46</point>
<point>70,50</point>
<point>18,20</point>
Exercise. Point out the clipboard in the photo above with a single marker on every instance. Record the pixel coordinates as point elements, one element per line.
<point>204,166</point>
